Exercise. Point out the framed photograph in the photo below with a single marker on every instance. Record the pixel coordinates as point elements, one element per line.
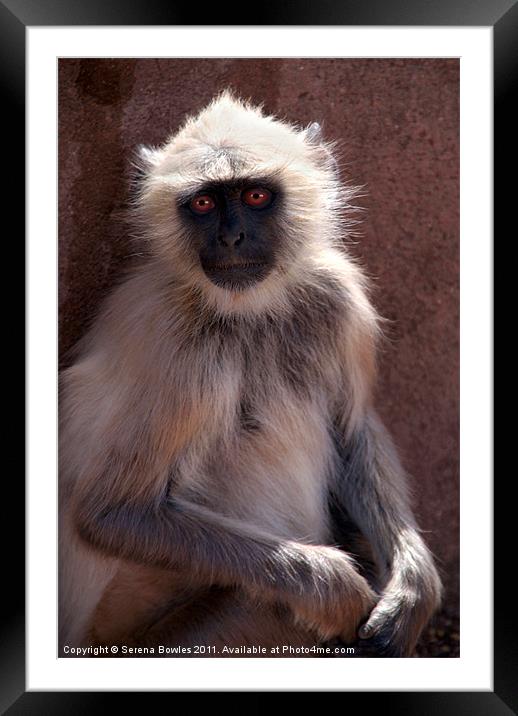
<point>147,145</point>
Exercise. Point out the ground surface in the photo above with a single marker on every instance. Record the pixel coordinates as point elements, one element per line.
<point>442,637</point>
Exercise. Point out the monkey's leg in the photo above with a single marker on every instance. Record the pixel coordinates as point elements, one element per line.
<point>225,617</point>
<point>372,488</point>
<point>137,597</point>
<point>150,607</point>
<point>320,584</point>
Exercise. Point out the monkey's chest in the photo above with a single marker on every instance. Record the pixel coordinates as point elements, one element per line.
<point>271,469</point>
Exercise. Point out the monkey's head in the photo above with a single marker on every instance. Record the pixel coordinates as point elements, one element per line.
<point>238,202</point>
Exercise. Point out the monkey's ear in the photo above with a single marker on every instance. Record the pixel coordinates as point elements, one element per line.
<point>144,159</point>
<point>148,156</point>
<point>323,150</point>
<point>313,133</point>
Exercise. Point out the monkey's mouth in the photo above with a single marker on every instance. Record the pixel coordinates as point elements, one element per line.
<point>235,275</point>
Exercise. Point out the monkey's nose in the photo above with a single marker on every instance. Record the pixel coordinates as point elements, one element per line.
<point>232,239</point>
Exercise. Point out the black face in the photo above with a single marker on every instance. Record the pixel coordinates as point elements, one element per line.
<point>232,225</point>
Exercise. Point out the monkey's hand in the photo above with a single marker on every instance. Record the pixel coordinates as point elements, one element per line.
<point>405,607</point>
<point>334,597</point>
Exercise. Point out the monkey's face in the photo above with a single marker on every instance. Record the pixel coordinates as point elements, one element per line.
<point>231,226</point>
<point>239,205</point>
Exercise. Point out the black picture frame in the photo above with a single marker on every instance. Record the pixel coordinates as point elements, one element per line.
<point>15,17</point>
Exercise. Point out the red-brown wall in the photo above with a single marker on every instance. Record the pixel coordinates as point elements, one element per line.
<point>399,125</point>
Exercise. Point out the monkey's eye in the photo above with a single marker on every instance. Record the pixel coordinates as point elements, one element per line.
<point>202,204</point>
<point>257,197</point>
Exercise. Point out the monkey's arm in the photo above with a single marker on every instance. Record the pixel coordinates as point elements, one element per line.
<point>372,488</point>
<point>320,584</point>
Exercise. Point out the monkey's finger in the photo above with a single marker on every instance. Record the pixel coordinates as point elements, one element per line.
<point>372,625</point>
<point>366,631</point>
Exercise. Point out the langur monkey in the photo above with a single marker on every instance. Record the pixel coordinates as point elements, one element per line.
<point>218,443</point>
